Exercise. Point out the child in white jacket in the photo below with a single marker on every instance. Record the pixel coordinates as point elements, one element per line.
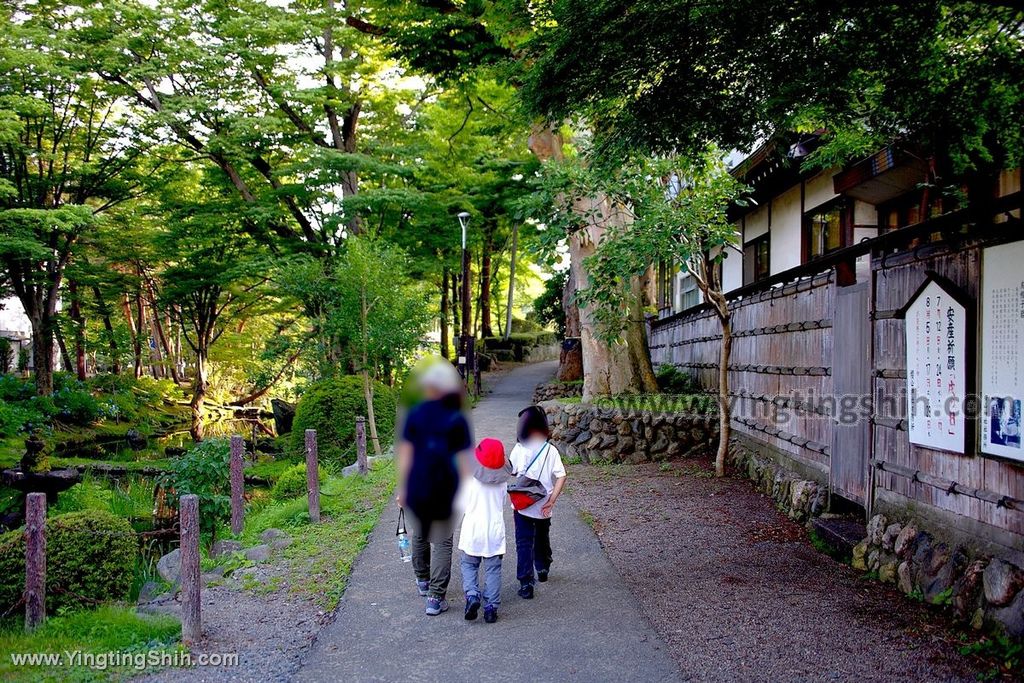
<point>482,539</point>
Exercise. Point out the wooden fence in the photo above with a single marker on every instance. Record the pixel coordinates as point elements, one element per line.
<point>801,340</point>
<point>781,364</point>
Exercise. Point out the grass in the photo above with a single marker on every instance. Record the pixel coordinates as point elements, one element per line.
<point>1002,655</point>
<point>107,629</point>
<point>319,560</point>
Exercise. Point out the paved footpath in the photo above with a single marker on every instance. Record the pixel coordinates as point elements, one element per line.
<point>583,625</point>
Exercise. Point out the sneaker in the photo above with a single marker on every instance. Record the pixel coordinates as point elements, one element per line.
<point>423,587</point>
<point>436,605</point>
<point>490,614</point>
<point>526,591</point>
<point>542,575</point>
<point>472,607</point>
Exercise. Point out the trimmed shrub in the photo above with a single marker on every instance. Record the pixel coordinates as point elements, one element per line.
<point>330,407</point>
<point>90,558</point>
<point>292,483</point>
<point>517,343</point>
<point>672,380</point>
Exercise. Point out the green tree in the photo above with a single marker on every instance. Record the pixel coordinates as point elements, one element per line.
<point>676,210</point>
<point>943,75</point>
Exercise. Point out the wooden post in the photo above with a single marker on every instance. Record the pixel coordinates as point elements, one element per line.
<point>191,619</point>
<point>35,560</point>
<point>237,485</point>
<point>361,465</point>
<point>313,476</point>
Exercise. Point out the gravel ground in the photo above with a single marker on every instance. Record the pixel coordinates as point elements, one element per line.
<point>269,627</point>
<point>738,592</point>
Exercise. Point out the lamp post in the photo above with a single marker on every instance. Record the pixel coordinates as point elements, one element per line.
<point>466,333</point>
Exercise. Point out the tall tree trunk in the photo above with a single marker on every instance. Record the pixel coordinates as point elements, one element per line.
<point>636,339</point>
<point>485,285</point>
<point>511,280</point>
<point>466,296</point>
<point>136,342</point>
<point>169,359</point>
<point>607,369</point>
<point>445,342</point>
<point>42,353</point>
<point>371,416</point>
<point>79,323</point>
<point>108,327</point>
<point>455,308</point>
<point>200,385</point>
<point>65,357</point>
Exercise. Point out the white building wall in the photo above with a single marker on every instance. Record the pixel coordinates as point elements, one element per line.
<point>13,321</point>
<point>819,190</point>
<point>787,231</point>
<point>755,223</point>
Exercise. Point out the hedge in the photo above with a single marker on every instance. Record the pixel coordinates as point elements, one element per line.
<point>330,407</point>
<point>292,482</point>
<point>90,558</point>
<point>517,343</point>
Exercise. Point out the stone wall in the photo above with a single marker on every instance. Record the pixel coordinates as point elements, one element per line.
<point>591,434</point>
<point>801,499</point>
<point>986,592</point>
<point>549,391</point>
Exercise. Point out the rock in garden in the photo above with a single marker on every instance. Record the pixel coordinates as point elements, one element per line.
<point>889,536</point>
<point>940,589</point>
<point>149,591</point>
<point>967,589</point>
<point>876,527</point>
<point>904,545</point>
<point>887,571</point>
<point>1002,581</point>
<point>169,566</point>
<point>136,441</point>
<point>272,536</point>
<point>1010,619</point>
<point>873,560</point>
<point>904,578</point>
<point>258,553</point>
<point>225,547</point>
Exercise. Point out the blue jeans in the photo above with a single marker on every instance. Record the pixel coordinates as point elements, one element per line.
<point>492,577</point>
<point>533,547</point>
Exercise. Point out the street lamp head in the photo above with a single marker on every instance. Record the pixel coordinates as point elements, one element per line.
<point>463,222</point>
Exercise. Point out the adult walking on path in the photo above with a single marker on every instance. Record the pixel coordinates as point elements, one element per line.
<point>585,626</point>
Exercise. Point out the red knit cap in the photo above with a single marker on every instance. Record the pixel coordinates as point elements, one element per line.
<point>491,454</point>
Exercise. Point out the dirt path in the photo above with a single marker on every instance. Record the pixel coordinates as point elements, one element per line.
<point>584,625</point>
<point>739,594</point>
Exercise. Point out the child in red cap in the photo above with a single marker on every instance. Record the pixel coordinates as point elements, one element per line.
<point>482,539</point>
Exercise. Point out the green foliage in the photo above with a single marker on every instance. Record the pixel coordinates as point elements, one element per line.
<point>205,472</point>
<point>330,407</point>
<point>548,308</point>
<point>96,631</point>
<point>942,75</point>
<point>75,406</point>
<point>90,558</point>
<point>292,483</point>
<point>14,388</point>
<point>1005,655</point>
<point>672,380</point>
<point>517,344</point>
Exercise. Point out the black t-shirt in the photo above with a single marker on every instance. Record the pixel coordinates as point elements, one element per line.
<point>437,432</point>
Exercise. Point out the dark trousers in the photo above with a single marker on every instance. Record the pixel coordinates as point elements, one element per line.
<point>533,547</point>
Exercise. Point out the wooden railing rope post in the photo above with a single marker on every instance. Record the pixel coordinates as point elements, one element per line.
<point>237,485</point>
<point>313,476</point>
<point>35,560</point>
<point>361,464</point>
<point>191,599</point>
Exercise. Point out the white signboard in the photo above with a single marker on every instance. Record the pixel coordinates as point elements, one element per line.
<point>1002,349</point>
<point>936,326</point>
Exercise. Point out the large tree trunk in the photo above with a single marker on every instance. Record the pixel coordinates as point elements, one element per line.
<point>485,286</point>
<point>570,363</point>
<point>636,339</point>
<point>108,327</point>
<point>136,342</point>
<point>200,385</point>
<point>607,369</point>
<point>42,353</point>
<point>511,280</point>
<point>79,323</point>
<point>445,343</point>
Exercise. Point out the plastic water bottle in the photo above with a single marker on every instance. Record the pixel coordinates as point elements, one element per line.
<point>404,546</point>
